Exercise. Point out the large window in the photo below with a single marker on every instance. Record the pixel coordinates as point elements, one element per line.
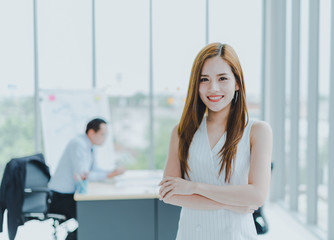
<point>304,35</point>
<point>64,44</point>
<point>117,33</point>
<point>122,61</point>
<point>324,59</point>
<point>122,45</point>
<point>323,109</point>
<point>176,42</point>
<point>241,27</point>
<point>16,81</point>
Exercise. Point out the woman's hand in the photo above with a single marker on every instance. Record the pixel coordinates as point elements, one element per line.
<point>241,209</point>
<point>175,185</point>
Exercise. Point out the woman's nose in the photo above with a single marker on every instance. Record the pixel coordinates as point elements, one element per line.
<point>214,86</point>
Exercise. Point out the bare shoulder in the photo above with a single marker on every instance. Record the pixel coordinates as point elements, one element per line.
<point>260,131</point>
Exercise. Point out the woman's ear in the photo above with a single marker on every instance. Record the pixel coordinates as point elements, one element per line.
<point>236,86</point>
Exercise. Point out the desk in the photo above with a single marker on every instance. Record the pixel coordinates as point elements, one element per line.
<point>126,208</point>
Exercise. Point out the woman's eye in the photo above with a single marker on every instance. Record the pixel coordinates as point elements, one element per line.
<point>203,79</point>
<point>223,78</point>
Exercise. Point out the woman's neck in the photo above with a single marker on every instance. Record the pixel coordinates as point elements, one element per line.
<point>219,118</point>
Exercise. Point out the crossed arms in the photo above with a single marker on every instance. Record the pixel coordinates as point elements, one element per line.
<point>239,198</point>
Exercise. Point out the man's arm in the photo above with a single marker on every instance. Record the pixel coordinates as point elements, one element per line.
<point>99,174</point>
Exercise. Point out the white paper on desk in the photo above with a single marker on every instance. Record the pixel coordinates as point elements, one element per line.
<point>139,178</point>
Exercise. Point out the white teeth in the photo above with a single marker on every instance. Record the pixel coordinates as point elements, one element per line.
<point>214,98</point>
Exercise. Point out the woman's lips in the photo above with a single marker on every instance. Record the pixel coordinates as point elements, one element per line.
<point>215,98</point>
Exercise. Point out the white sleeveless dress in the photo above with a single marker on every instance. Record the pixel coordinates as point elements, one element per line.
<point>204,167</point>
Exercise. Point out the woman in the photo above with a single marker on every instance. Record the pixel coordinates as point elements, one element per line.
<point>218,166</point>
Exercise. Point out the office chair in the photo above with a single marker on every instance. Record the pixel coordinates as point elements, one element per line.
<point>25,195</point>
<point>37,196</point>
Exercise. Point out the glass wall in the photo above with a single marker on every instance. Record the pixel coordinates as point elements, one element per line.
<point>323,110</point>
<point>122,65</point>
<point>64,44</point>
<point>176,42</point>
<point>16,81</point>
<point>324,59</point>
<point>245,36</point>
<point>304,35</point>
<point>288,98</point>
<point>122,47</point>
<point>122,44</point>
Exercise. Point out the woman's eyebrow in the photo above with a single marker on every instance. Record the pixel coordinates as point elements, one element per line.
<point>222,74</point>
<point>219,74</point>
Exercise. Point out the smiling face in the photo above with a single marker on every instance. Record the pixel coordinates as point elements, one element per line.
<point>217,84</point>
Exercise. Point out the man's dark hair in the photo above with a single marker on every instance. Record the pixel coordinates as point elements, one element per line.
<point>95,124</point>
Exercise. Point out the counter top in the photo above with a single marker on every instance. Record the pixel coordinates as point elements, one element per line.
<point>133,184</point>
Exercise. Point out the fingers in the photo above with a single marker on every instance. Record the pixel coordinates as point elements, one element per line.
<point>168,195</point>
<point>251,209</point>
<point>164,186</point>
<point>167,186</point>
<point>118,171</point>
<point>245,209</point>
<point>166,191</point>
<point>166,179</point>
<point>121,169</point>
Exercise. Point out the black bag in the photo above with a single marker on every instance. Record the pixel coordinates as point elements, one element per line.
<point>260,221</point>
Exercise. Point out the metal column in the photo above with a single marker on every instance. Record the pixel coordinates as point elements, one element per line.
<point>207,22</point>
<point>152,161</point>
<point>37,133</point>
<point>312,113</point>
<point>93,47</point>
<point>275,90</point>
<point>294,106</point>
<point>331,136</point>
<point>263,61</point>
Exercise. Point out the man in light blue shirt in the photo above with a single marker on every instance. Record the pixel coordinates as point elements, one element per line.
<point>76,164</point>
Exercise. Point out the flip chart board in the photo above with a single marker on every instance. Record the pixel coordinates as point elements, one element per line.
<point>65,114</point>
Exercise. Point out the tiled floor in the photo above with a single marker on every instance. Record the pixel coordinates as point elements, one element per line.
<point>281,226</point>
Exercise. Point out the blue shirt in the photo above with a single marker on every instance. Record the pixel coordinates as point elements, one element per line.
<point>77,159</point>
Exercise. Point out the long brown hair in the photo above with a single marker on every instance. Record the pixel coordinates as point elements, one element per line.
<point>194,110</point>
